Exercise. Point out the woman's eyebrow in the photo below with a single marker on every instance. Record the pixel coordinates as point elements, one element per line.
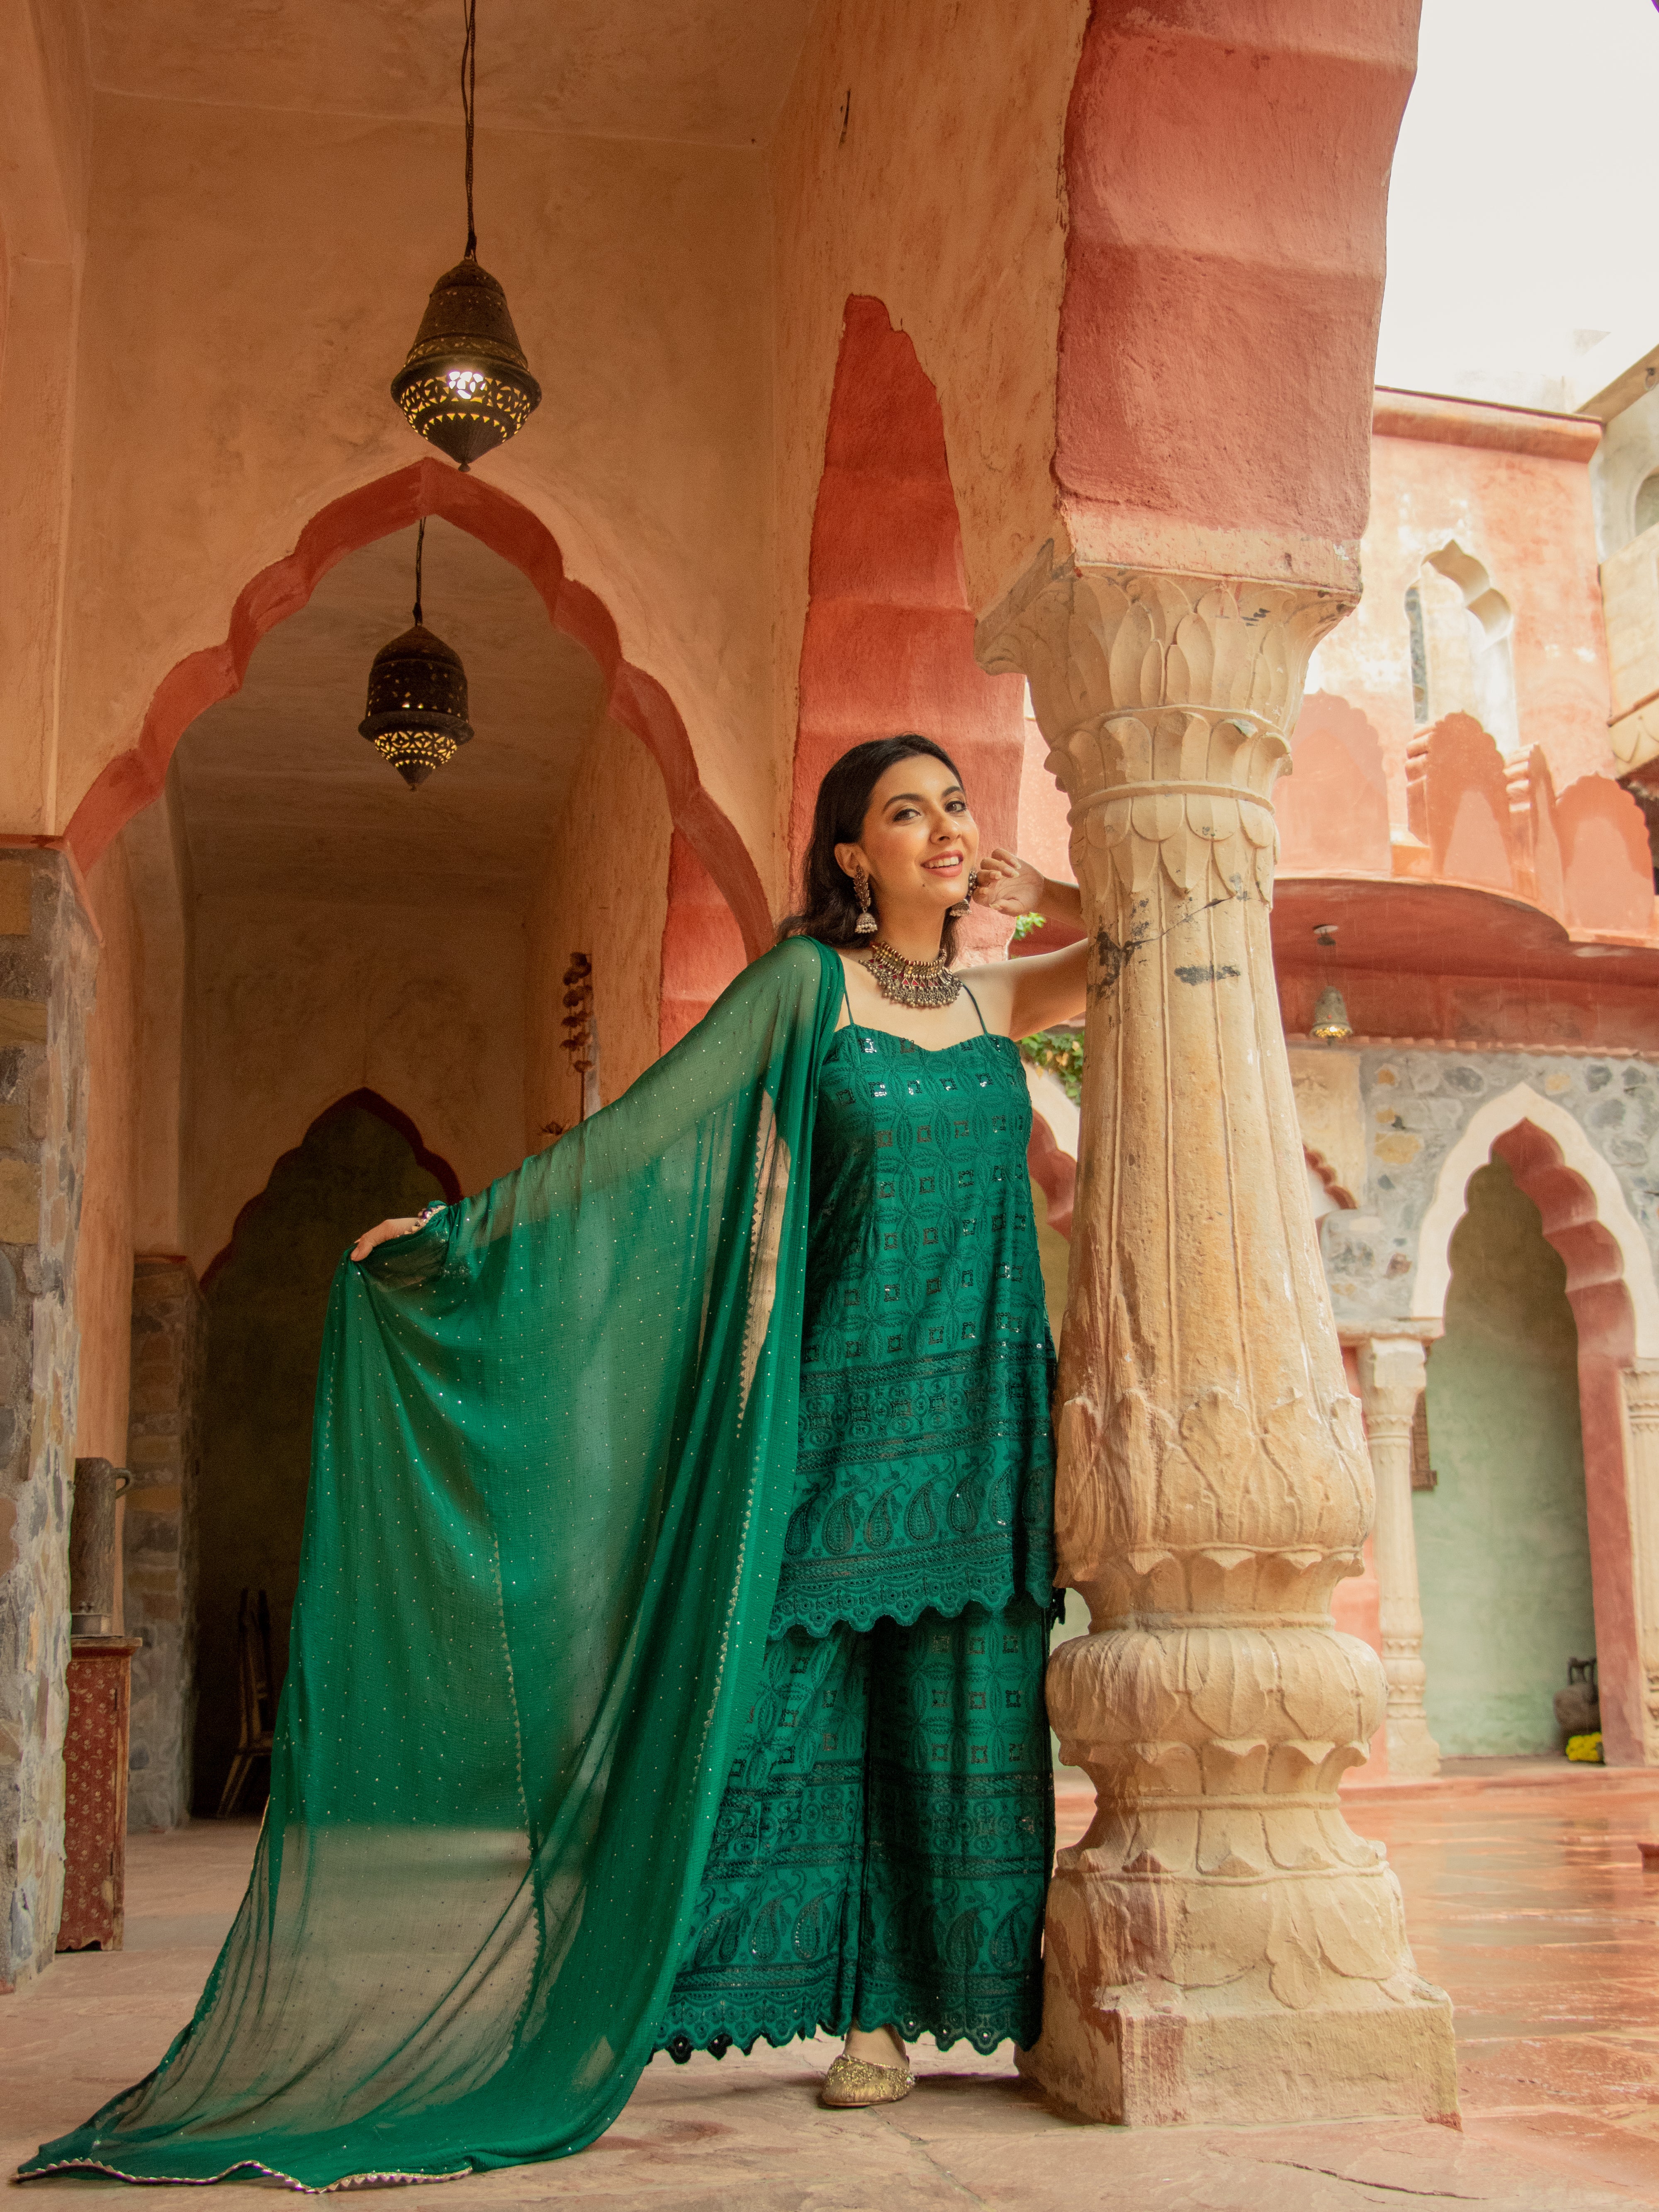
<point>918,798</point>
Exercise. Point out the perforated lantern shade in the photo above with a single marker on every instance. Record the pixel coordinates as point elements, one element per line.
<point>416,704</point>
<point>1330,1019</point>
<point>466,385</point>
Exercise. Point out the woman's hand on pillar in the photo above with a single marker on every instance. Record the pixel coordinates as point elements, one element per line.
<point>1008,884</point>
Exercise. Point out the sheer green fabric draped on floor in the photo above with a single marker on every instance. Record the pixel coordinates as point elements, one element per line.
<point>554,1463</point>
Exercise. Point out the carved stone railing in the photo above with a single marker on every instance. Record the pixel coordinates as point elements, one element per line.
<point>1220,1945</point>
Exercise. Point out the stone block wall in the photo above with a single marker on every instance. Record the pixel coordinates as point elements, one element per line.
<point>169,1340</point>
<point>1415,1103</point>
<point>48,957</point>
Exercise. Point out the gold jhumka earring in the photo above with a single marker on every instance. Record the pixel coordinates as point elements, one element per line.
<point>866,925</point>
<point>957,912</point>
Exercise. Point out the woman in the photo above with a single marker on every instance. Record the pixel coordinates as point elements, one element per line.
<point>666,1667</point>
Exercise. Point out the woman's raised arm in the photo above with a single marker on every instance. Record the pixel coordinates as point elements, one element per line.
<point>1023,996</point>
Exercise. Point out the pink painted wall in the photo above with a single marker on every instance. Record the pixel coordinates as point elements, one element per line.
<point>45,83</point>
<point>1526,517</point>
<point>702,949</point>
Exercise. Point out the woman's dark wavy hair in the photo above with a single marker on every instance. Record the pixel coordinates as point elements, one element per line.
<point>830,906</point>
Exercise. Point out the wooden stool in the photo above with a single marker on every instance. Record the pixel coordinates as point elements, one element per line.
<point>259,1713</point>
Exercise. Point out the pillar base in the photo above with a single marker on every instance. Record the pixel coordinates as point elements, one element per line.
<point>1414,1754</point>
<point>1154,2062</point>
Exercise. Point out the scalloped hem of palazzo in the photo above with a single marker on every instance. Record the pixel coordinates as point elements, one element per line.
<point>681,2048</point>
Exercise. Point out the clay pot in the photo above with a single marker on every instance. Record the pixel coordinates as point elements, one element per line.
<point>98,1484</point>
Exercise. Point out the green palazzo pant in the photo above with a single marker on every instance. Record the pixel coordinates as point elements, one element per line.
<point>884,1845</point>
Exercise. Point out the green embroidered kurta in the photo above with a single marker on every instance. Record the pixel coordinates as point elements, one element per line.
<point>926,1473</point>
<point>882,1847</point>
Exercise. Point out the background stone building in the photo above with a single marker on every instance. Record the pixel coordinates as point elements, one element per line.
<point>1485,1146</point>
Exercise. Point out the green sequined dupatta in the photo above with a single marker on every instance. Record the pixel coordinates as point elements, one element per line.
<point>553,1466</point>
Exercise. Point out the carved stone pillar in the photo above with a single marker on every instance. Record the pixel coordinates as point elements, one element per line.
<point>1220,1945</point>
<point>1640,1388</point>
<point>1392,1373</point>
<point>169,1358</point>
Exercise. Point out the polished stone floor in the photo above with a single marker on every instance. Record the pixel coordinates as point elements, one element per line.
<point>1528,1900</point>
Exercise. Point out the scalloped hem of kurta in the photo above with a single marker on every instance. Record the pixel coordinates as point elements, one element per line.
<point>995,1597</point>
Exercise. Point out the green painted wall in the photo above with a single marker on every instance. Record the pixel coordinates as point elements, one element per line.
<point>265,1309</point>
<point>1502,1548</point>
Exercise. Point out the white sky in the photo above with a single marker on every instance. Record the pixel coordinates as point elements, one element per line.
<point>1523,215</point>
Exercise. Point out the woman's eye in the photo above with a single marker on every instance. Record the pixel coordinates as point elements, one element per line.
<point>955,806</point>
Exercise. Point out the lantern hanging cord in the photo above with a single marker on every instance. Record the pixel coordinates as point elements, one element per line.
<point>420,547</point>
<point>469,108</point>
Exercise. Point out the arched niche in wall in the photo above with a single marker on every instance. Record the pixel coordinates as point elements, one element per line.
<point>1504,1560</point>
<point>1333,807</point>
<point>1461,662</point>
<point>1606,859</point>
<point>1459,802</point>
<point>1612,1288</point>
<point>888,644</point>
<point>266,1294</point>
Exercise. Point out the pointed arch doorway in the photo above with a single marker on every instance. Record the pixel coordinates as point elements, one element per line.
<point>1609,1282</point>
<point>266,1294</point>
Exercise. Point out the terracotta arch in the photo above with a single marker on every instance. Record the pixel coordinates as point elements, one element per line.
<point>369,1102</point>
<point>635,699</point>
<point>1341,1197</point>
<point>1611,1289</point>
<point>889,639</point>
<point>1586,1217</point>
<point>888,643</point>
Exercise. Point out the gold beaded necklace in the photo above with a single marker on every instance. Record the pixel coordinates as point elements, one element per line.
<point>911,982</point>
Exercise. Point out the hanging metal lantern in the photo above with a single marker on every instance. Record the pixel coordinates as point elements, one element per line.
<point>1330,1016</point>
<point>466,386</point>
<point>417,697</point>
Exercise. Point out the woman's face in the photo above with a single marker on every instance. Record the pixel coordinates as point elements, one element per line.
<point>918,841</point>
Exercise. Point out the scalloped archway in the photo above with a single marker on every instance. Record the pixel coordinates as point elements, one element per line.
<point>635,699</point>
<point>1615,1303</point>
<point>370,1102</point>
